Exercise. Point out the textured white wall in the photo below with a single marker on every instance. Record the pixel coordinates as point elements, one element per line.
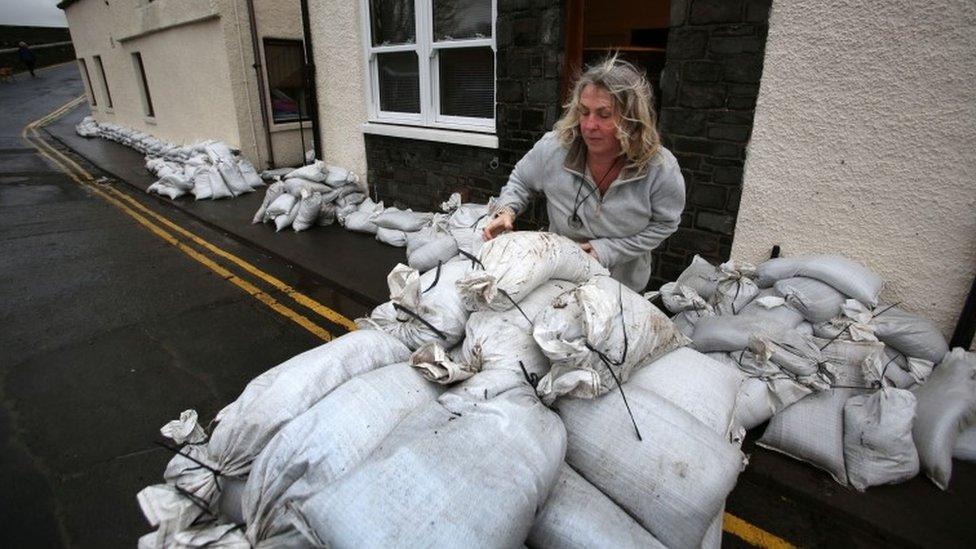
<point>864,144</point>
<point>336,39</point>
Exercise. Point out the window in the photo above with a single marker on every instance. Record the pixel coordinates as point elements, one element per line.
<point>147,104</point>
<point>431,62</point>
<point>284,61</point>
<point>91,92</point>
<point>101,73</point>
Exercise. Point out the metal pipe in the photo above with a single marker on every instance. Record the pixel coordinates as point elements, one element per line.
<point>311,96</point>
<point>966,327</point>
<point>259,73</point>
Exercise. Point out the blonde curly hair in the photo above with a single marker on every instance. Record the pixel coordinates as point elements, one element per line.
<point>633,100</point>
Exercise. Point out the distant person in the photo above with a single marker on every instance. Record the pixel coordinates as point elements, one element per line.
<point>27,57</point>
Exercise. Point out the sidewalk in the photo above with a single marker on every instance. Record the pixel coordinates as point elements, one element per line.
<point>340,257</point>
<point>793,500</point>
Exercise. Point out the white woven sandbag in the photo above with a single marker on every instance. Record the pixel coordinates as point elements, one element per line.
<point>393,237</point>
<point>417,239</point>
<point>695,383</point>
<point>285,220</point>
<point>734,288</point>
<point>295,186</point>
<point>678,298</point>
<point>274,191</point>
<point>768,307</point>
<point>753,405</point>
<point>516,263</point>
<point>250,174</point>
<point>359,219</point>
<point>355,197</point>
<point>812,430</point>
<point>965,448</point>
<point>729,333</point>
<point>422,308</point>
<point>465,471</point>
<point>202,189</point>
<point>315,172</point>
<point>857,363</point>
<point>577,515</point>
<point>673,482</point>
<point>308,211</point>
<point>210,177</point>
<point>273,399</point>
<point>337,176</point>
<point>427,256</point>
<point>225,162</point>
<point>494,340</point>
<point>701,276</point>
<point>280,205</point>
<point>685,321</point>
<point>326,442</point>
<point>327,214</point>
<point>401,220</point>
<point>599,321</point>
<point>848,277</point>
<point>467,216</point>
<point>909,333</point>
<point>165,190</point>
<point>817,301</point>
<point>945,403</point>
<point>878,445</point>
<point>905,371</point>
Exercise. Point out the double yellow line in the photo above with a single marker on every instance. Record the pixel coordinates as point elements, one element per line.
<point>181,238</point>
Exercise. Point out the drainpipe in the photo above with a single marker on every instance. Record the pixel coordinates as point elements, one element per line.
<point>966,327</point>
<point>311,96</point>
<point>259,73</point>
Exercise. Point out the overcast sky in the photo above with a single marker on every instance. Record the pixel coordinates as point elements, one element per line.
<point>34,13</point>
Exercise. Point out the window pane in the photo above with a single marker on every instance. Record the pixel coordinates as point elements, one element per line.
<point>467,80</point>
<point>455,19</point>
<point>285,62</point>
<point>392,22</point>
<point>399,82</point>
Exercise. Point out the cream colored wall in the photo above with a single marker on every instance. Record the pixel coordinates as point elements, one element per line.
<point>340,81</point>
<point>863,145</point>
<point>186,66</point>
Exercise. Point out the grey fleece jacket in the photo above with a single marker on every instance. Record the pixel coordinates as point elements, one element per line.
<point>638,211</point>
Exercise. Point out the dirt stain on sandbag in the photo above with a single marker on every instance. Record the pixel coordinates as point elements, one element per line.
<point>680,468</point>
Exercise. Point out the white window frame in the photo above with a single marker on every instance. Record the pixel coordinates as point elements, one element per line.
<point>426,50</point>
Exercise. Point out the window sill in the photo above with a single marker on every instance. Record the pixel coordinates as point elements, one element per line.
<point>149,120</point>
<point>108,110</point>
<point>487,141</point>
<point>289,126</point>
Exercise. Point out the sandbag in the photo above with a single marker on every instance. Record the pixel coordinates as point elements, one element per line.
<point>249,174</point>
<point>878,445</point>
<point>516,263</point>
<point>210,177</point>
<point>274,191</point>
<point>965,448</point>
<point>436,251</point>
<point>701,276</point>
<point>360,220</point>
<point>946,402</point>
<point>578,515</point>
<point>734,288</point>
<point>769,308</point>
<point>280,205</point>
<point>848,277</point>
<point>355,197</point>
<point>393,237</point>
<point>327,214</point>
<point>685,321</point>
<point>223,159</point>
<point>674,482</point>
<point>905,371</point>
<point>583,332</point>
<point>817,301</point>
<point>284,221</point>
<point>678,298</point>
<point>308,211</point>
<point>296,185</point>
<point>326,442</point>
<point>909,333</point>
<point>464,471</point>
<point>273,399</point>
<point>422,308</point>
<point>729,333</point>
<point>401,220</point>
<point>494,340</point>
<point>315,172</point>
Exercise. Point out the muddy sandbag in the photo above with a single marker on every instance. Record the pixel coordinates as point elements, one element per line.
<point>515,263</point>
<point>424,307</point>
<point>817,301</point>
<point>494,340</point>
<point>578,515</point>
<point>274,191</point>
<point>848,277</point>
<point>326,442</point>
<point>946,402</point>
<point>674,482</point>
<point>909,333</point>
<point>308,211</point>
<point>427,484</point>
<point>878,445</point>
<point>273,399</point>
<point>596,335</point>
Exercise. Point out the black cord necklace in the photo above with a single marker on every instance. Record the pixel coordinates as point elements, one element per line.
<point>575,221</point>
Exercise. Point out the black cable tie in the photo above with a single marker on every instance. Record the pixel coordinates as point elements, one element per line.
<point>476,221</point>
<point>885,310</point>
<point>504,293</point>
<point>437,277</point>
<point>196,500</point>
<point>738,285</point>
<point>215,472</point>
<point>624,396</point>
<point>532,379</point>
<point>837,335</point>
<point>433,328</point>
<point>474,260</point>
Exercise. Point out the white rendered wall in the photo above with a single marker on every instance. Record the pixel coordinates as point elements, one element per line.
<point>340,79</point>
<point>864,144</point>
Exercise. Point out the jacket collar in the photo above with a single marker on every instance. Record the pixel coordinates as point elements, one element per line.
<point>575,163</point>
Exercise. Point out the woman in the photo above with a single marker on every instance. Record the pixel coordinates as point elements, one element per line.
<point>608,182</point>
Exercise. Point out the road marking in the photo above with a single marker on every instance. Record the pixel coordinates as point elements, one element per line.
<point>753,535</point>
<point>50,153</point>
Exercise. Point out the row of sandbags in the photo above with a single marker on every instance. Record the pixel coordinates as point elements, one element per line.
<point>311,195</point>
<point>867,391</point>
<point>519,396</point>
<point>207,170</point>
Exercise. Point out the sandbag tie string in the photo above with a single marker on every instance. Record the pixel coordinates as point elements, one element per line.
<point>851,323</point>
<point>624,396</point>
<point>474,260</point>
<point>201,465</point>
<point>532,379</point>
<point>420,319</point>
<point>437,277</point>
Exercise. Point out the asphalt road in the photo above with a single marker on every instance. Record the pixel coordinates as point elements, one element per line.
<point>107,333</point>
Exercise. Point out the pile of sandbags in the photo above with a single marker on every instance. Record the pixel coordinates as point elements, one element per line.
<point>207,170</point>
<point>311,195</point>
<point>849,384</point>
<point>360,442</point>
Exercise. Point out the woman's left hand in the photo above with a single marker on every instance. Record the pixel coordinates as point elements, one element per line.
<point>588,248</point>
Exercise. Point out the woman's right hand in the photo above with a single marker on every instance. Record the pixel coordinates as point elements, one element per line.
<point>502,223</point>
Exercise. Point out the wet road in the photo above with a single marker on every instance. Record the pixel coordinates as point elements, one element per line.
<point>108,332</point>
